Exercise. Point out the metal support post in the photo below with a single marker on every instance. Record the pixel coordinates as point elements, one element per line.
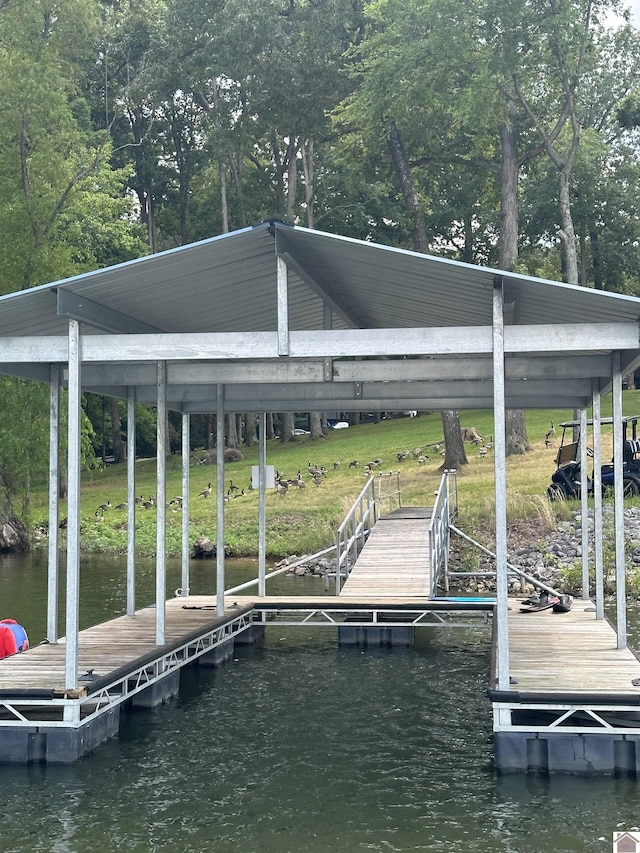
<point>131,500</point>
<point>161,504</point>
<point>502,589</point>
<point>220,499</point>
<point>53,564</point>
<point>262,506</point>
<point>621,594</point>
<point>597,502</point>
<point>584,502</point>
<point>73,509</point>
<point>185,502</point>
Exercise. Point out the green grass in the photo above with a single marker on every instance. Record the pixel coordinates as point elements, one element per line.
<point>305,520</point>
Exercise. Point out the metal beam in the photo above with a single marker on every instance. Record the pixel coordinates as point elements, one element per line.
<point>313,370</point>
<point>97,315</point>
<point>315,281</point>
<point>329,343</point>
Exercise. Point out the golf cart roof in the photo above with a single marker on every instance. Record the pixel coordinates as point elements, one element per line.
<point>603,421</point>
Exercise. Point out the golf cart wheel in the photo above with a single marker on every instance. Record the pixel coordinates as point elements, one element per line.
<point>630,488</point>
<point>556,493</point>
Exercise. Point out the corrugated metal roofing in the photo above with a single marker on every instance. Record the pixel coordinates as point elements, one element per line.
<point>228,284</point>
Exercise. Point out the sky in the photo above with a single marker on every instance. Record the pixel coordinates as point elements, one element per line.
<point>634,5</point>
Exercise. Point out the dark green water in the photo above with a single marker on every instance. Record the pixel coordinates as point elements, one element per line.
<point>299,746</point>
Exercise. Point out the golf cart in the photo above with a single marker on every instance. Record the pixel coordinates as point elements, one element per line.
<point>565,481</point>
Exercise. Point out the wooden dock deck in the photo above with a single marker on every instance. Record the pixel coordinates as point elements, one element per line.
<point>125,642</point>
<point>394,561</point>
<point>569,653</point>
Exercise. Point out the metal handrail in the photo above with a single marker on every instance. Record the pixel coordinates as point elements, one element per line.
<point>360,519</point>
<point>289,567</point>
<point>444,509</point>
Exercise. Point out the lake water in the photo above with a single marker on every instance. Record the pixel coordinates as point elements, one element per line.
<point>298,746</point>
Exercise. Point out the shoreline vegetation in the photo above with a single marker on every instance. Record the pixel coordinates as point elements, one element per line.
<point>304,520</point>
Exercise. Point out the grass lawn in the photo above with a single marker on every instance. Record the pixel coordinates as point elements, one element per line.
<point>304,520</point>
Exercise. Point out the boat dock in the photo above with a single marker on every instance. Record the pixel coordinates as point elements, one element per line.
<point>573,702</point>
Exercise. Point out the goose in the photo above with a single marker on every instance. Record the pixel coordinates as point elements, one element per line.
<point>282,488</point>
<point>206,491</point>
<point>103,508</point>
<point>123,505</point>
<point>550,432</point>
<point>150,503</point>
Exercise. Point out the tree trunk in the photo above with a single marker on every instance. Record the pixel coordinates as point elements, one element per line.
<point>509,168</point>
<point>224,204</point>
<point>410,196</point>
<point>515,426</point>
<point>308,170</point>
<point>270,432</point>
<point>315,425</point>
<point>14,536</point>
<point>516,433</point>
<point>567,233</point>
<point>232,432</point>
<point>211,431</point>
<point>250,429</point>
<point>292,180</point>
<point>454,453</point>
<point>596,261</point>
<point>116,432</point>
<point>287,426</point>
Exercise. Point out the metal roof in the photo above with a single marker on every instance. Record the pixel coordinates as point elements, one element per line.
<point>350,311</point>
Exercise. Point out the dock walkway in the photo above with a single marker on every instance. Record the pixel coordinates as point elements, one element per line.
<point>395,559</point>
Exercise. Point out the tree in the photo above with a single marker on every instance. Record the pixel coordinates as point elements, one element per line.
<point>62,209</point>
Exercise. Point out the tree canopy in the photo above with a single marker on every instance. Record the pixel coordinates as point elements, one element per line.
<point>494,132</point>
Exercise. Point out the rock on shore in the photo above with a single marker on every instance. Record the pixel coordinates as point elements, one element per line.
<point>552,557</point>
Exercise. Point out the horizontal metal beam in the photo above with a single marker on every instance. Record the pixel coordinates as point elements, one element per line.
<point>479,367</point>
<point>203,402</point>
<point>387,370</point>
<point>206,373</point>
<point>330,343</point>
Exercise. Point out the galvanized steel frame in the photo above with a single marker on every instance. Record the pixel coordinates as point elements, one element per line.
<point>564,711</point>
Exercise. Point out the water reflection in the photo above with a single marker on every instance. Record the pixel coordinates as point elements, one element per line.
<point>103,586</point>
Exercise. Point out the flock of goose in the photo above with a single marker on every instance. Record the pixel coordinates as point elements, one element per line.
<point>316,475</point>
